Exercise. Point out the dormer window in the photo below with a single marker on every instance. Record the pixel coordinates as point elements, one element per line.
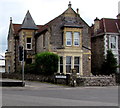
<point>28,43</point>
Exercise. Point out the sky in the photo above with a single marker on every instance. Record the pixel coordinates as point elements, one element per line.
<point>43,11</point>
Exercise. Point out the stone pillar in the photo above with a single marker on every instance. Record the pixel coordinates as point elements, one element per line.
<point>64,64</point>
<point>72,63</point>
<point>58,66</point>
<point>81,65</point>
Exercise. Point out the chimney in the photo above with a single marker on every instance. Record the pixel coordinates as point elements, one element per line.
<point>10,19</point>
<point>78,11</point>
<point>96,24</point>
<point>118,16</point>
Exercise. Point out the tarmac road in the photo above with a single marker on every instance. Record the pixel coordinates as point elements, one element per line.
<point>44,94</point>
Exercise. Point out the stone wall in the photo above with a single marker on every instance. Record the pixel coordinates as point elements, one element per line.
<point>80,81</point>
<point>98,81</point>
<point>97,53</point>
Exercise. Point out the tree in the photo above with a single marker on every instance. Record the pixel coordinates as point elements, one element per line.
<point>109,65</point>
<point>46,63</point>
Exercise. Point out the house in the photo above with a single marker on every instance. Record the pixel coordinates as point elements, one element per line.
<point>105,35</point>
<point>67,35</point>
<point>2,64</point>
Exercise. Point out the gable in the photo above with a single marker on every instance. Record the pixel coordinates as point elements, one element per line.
<point>70,13</point>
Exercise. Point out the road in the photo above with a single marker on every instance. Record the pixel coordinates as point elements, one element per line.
<point>44,94</point>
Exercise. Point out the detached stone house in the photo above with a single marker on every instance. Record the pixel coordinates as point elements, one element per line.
<point>105,35</point>
<point>67,35</point>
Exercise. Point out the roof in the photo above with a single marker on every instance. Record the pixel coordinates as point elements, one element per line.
<point>17,27</point>
<point>28,22</point>
<point>107,25</point>
<point>67,12</point>
<point>111,25</point>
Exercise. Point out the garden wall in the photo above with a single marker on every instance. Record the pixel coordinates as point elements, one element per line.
<point>80,81</point>
<point>97,81</point>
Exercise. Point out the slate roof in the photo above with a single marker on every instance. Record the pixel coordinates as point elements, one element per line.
<point>68,11</point>
<point>17,27</point>
<point>107,25</point>
<point>28,22</point>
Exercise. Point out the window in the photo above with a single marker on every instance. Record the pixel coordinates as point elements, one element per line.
<point>113,42</point>
<point>72,38</point>
<point>68,38</point>
<point>68,64</point>
<point>29,43</point>
<point>76,38</point>
<point>76,64</point>
<point>61,64</point>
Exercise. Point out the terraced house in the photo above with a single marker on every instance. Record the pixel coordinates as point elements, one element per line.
<point>67,35</point>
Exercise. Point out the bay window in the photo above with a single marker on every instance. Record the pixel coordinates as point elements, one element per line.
<point>68,38</point>
<point>76,38</point>
<point>72,38</point>
<point>76,63</point>
<point>68,64</point>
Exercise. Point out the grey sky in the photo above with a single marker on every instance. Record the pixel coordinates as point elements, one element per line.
<point>43,11</point>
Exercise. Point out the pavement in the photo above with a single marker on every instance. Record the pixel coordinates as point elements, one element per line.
<point>46,94</point>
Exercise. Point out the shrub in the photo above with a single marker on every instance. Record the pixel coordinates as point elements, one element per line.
<point>109,65</point>
<point>30,68</point>
<point>46,63</point>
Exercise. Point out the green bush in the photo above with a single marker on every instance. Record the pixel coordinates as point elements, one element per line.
<point>46,63</point>
<point>30,68</point>
<point>109,65</point>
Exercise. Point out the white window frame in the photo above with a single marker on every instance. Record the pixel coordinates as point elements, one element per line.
<point>114,43</point>
<point>68,38</point>
<point>77,39</point>
<point>29,43</point>
<point>67,64</point>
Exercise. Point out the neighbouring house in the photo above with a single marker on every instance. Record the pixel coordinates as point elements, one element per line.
<point>105,35</point>
<point>2,64</point>
<point>67,35</point>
